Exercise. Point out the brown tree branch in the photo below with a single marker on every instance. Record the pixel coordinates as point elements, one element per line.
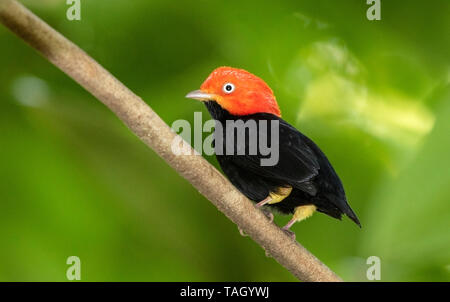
<point>149,127</point>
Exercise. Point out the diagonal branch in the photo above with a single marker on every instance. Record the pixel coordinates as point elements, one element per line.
<point>152,130</point>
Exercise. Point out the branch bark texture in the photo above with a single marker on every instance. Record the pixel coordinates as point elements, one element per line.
<point>156,134</point>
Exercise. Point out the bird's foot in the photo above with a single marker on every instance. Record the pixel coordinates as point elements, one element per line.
<point>268,214</point>
<point>263,202</point>
<point>287,227</point>
<point>288,232</point>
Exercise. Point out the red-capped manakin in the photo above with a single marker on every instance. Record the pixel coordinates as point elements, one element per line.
<point>302,181</point>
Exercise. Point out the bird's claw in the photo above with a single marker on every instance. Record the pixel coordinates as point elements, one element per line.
<point>268,214</point>
<point>289,233</point>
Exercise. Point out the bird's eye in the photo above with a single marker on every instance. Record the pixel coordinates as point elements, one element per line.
<point>228,88</point>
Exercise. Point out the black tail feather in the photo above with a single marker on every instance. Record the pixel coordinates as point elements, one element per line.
<point>350,214</point>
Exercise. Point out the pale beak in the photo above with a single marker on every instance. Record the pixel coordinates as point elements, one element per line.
<point>200,95</point>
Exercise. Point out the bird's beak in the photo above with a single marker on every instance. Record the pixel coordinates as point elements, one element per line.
<point>200,95</point>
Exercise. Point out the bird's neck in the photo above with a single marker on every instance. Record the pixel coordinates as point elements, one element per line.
<point>217,112</point>
<point>222,115</point>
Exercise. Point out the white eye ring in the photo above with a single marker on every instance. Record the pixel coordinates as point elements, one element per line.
<point>228,88</point>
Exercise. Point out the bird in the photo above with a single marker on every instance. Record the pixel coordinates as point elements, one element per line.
<point>301,182</point>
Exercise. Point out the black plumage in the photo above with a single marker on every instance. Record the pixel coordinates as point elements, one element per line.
<point>302,166</point>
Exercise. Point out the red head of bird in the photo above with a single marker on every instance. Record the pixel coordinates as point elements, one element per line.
<point>237,91</point>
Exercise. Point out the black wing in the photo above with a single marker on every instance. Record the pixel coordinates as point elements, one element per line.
<point>297,163</point>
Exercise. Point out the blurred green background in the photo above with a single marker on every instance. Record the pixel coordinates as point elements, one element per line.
<point>374,95</point>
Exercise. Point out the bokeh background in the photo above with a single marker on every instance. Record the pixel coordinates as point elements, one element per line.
<point>374,95</point>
